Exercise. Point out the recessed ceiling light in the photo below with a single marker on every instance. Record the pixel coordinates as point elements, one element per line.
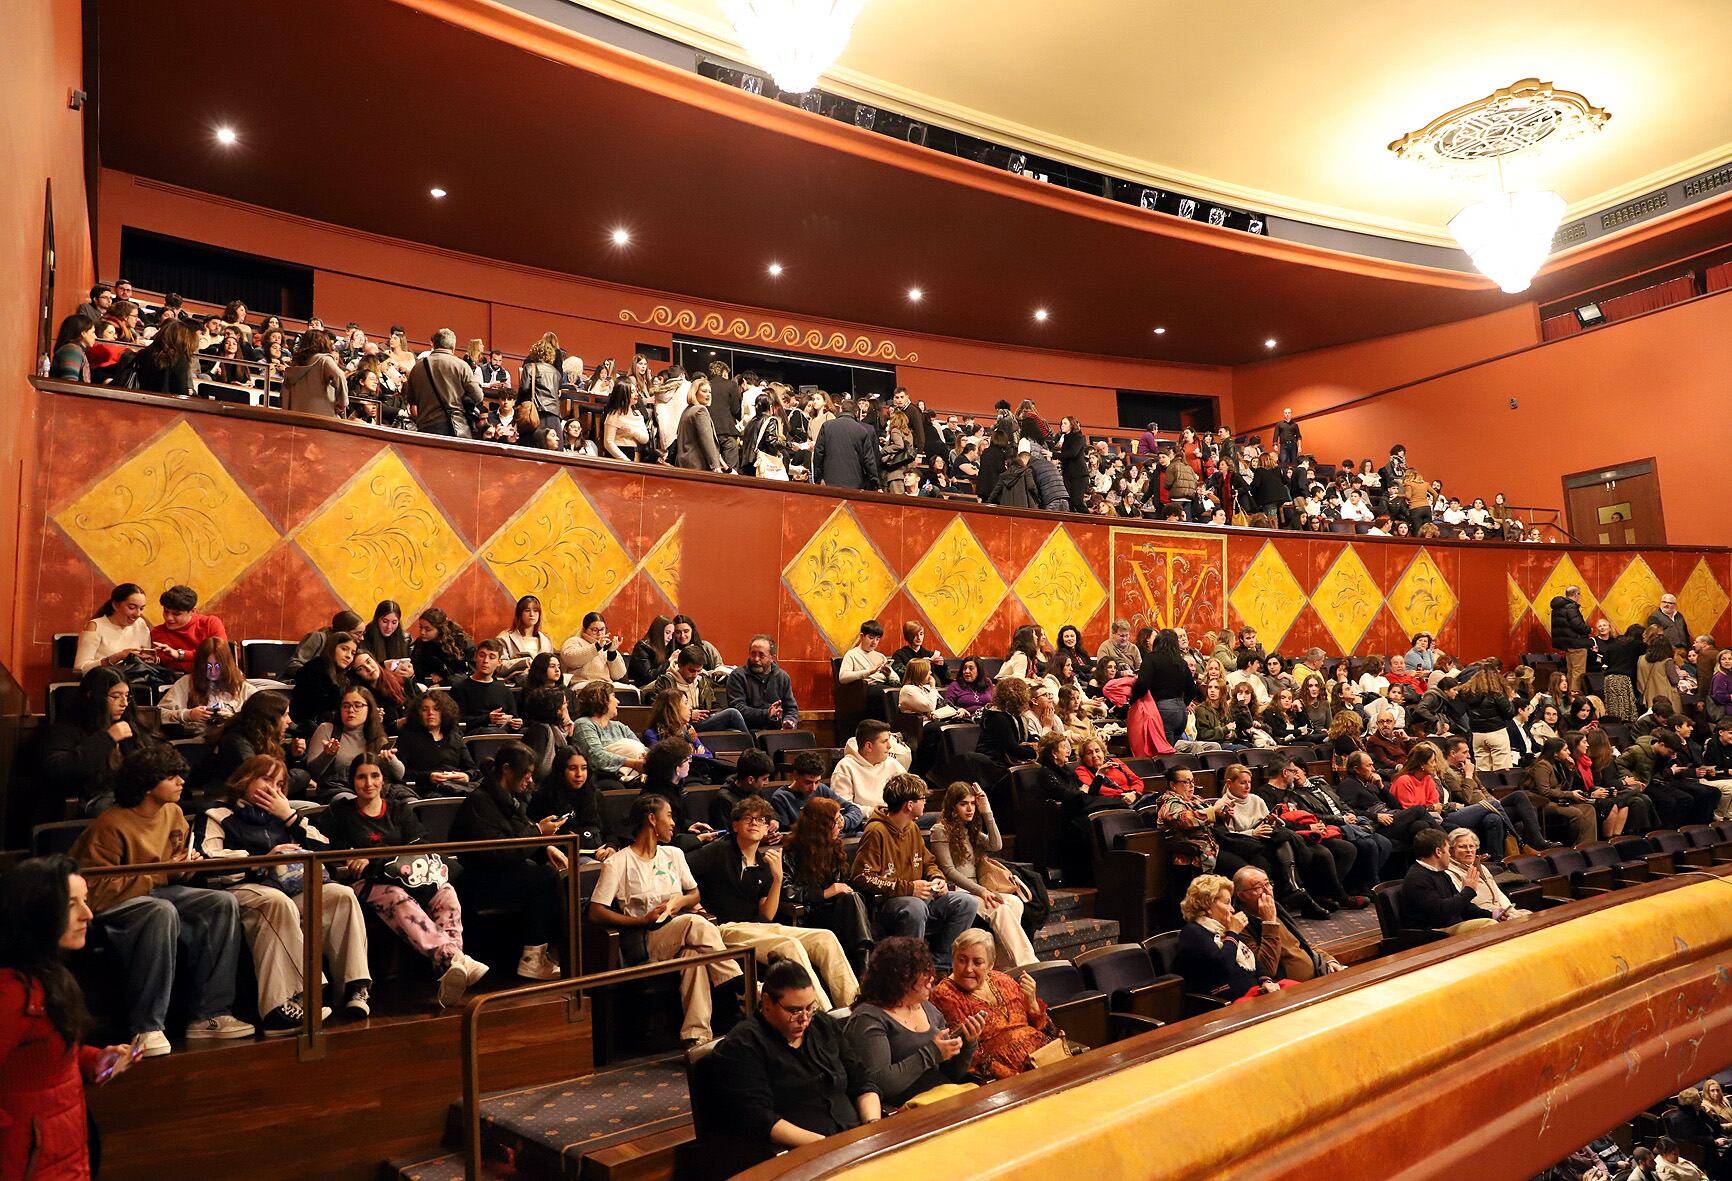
<point>915,295</point>
<point>622,237</point>
<point>226,136</point>
<point>436,192</point>
<point>775,269</point>
<point>1270,343</point>
<point>1040,314</point>
<point>1160,332</point>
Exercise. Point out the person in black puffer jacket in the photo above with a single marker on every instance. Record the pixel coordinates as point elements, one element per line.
<point>1570,635</point>
<point>1048,483</point>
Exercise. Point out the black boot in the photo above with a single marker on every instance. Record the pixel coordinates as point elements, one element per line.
<point>1305,906</point>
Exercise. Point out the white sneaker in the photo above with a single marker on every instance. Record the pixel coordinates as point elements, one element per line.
<point>453,983</point>
<point>473,967</point>
<point>219,1027</point>
<point>537,963</point>
<point>155,1043</point>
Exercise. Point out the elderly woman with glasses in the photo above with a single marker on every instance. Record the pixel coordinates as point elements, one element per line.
<point>898,1033</point>
<point>1016,1023</point>
<point>1463,852</point>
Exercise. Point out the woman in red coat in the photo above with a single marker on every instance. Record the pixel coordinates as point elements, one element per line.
<point>43,1066</point>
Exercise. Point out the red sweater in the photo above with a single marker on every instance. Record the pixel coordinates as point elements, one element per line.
<point>1411,790</point>
<point>198,629</point>
<point>1114,780</point>
<point>42,1133</point>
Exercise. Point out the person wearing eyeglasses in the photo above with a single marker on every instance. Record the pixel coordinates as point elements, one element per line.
<point>740,882</point>
<point>782,1076</point>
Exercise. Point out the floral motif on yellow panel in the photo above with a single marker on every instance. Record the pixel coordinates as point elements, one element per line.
<point>1702,600</point>
<point>839,577</point>
<point>1564,574</point>
<point>1422,599</point>
<point>1518,603</point>
<point>560,550</point>
<point>1347,599</point>
<point>382,537</point>
<point>957,586</point>
<point>169,514</point>
<point>1633,596</point>
<point>1058,587</point>
<point>662,563</point>
<point>1268,597</point>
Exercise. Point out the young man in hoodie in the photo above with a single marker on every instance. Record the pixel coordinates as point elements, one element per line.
<point>869,762</point>
<point>806,774</point>
<point>892,866</point>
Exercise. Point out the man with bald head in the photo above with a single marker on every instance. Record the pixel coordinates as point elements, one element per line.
<point>1282,952</point>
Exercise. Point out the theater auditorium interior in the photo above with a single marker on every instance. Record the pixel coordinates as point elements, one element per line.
<point>865,589</point>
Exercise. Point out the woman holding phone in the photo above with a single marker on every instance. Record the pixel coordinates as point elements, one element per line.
<point>44,1068</point>
<point>896,1030</point>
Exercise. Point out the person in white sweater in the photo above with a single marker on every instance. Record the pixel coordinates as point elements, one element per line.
<point>117,632</point>
<point>864,662</point>
<point>593,653</point>
<point>623,429</point>
<point>869,762</point>
<point>523,640</point>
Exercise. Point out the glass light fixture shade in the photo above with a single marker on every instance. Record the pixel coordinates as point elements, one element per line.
<point>795,40</point>
<point>1508,236</point>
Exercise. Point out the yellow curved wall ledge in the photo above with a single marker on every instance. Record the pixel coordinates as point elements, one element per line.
<point>1201,1110</point>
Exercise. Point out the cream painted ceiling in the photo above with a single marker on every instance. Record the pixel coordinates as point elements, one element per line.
<point>1287,108</point>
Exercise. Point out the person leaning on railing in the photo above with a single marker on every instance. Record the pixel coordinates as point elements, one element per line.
<point>257,820</point>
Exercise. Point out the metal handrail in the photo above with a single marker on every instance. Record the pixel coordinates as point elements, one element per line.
<point>311,1042</point>
<point>472,1164</point>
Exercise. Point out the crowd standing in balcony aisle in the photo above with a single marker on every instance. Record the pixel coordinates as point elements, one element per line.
<point>719,421</point>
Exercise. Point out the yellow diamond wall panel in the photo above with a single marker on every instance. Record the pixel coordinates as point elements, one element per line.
<point>169,513</point>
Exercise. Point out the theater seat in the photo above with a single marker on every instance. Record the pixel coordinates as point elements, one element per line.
<point>1397,935</point>
<point>1081,1011</point>
<point>723,743</point>
<point>58,837</point>
<point>1127,975</point>
<point>1604,855</point>
<point>1108,827</point>
<point>483,747</point>
<point>436,816</point>
<point>1680,848</point>
<point>1161,950</point>
<point>1586,880</point>
<point>718,1152</point>
<point>1539,871</point>
<point>267,660</point>
<point>780,745</point>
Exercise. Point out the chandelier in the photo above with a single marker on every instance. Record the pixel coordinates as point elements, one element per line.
<point>1507,235</point>
<point>795,40</point>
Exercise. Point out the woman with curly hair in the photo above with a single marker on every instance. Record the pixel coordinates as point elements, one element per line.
<point>815,874</point>
<point>441,650</point>
<point>261,727</point>
<point>962,841</point>
<point>1016,1021</point>
<point>436,760</point>
<point>898,1033</point>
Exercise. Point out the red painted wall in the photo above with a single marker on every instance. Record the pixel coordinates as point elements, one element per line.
<point>1654,386</point>
<point>379,281</point>
<point>43,142</point>
<point>285,508</point>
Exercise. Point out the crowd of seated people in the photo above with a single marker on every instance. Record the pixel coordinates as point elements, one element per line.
<point>836,880</point>
<point>718,421</point>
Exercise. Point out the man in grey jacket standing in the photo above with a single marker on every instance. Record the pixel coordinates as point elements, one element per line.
<point>846,454</point>
<point>441,384</point>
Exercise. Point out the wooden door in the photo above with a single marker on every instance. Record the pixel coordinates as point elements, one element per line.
<point>1617,505</point>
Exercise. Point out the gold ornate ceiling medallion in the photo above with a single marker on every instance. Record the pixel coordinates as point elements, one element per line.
<point>1507,121</point>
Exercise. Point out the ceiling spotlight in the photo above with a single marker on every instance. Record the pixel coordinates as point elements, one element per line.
<point>915,295</point>
<point>1270,343</point>
<point>436,192</point>
<point>1040,315</point>
<point>775,270</point>
<point>1160,332</point>
<point>622,237</point>
<point>226,136</point>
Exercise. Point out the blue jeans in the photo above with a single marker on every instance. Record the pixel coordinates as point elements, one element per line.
<point>1172,711</point>
<point>723,719</point>
<point>146,931</point>
<point>1491,825</point>
<point>938,920</point>
<point>1375,850</point>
